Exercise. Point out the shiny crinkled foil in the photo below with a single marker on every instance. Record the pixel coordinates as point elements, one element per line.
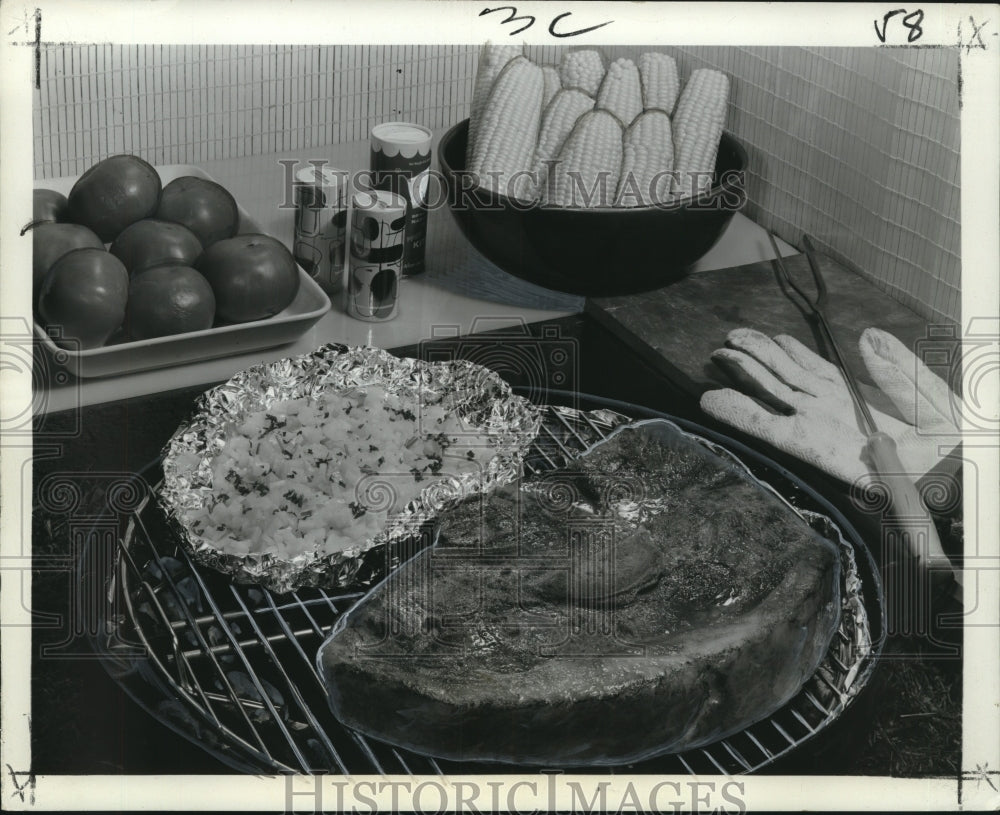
<point>482,400</point>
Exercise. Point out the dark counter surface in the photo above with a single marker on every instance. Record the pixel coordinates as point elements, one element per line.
<point>906,723</point>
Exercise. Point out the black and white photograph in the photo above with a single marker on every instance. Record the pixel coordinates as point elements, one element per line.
<point>465,406</point>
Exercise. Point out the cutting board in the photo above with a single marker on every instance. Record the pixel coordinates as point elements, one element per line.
<point>677,328</point>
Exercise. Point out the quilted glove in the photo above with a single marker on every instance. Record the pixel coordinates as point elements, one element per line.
<point>808,412</point>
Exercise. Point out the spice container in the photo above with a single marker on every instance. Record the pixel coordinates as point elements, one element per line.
<point>377,228</point>
<point>400,163</point>
<point>321,224</point>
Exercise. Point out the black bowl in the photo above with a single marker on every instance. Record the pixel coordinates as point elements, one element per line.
<point>594,252</point>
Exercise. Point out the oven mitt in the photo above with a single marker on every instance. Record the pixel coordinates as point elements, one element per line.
<point>805,408</point>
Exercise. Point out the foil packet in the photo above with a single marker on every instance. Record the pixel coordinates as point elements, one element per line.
<point>483,402</point>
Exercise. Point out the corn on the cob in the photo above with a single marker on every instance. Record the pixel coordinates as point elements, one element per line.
<point>698,123</point>
<point>621,91</point>
<point>509,130</point>
<point>660,85</point>
<point>552,84</point>
<point>583,70</point>
<point>492,59</point>
<point>588,165</point>
<point>557,122</point>
<point>647,161</point>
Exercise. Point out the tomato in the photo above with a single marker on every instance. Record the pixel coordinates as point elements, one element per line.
<point>253,277</point>
<point>150,242</point>
<point>204,207</point>
<point>114,193</point>
<point>168,299</point>
<point>50,241</point>
<point>47,206</point>
<point>84,294</point>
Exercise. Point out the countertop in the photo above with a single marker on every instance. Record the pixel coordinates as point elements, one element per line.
<point>460,293</point>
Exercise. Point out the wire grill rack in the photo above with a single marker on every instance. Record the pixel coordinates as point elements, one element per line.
<point>232,667</point>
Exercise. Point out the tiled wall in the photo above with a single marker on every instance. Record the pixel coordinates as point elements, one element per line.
<point>858,147</point>
<point>186,104</point>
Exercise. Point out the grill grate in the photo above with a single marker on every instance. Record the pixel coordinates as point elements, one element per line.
<point>233,667</point>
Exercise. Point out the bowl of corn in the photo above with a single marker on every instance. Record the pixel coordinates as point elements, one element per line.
<point>593,179</point>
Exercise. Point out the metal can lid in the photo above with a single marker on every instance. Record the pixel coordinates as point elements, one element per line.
<point>407,138</point>
<point>321,176</point>
<point>379,200</point>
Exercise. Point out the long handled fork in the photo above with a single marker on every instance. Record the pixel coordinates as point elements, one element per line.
<point>916,525</point>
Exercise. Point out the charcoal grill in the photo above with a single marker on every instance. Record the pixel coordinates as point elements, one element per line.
<point>232,667</point>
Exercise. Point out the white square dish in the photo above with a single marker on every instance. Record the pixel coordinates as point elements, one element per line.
<point>310,304</point>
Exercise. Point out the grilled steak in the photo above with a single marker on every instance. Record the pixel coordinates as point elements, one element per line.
<point>650,599</point>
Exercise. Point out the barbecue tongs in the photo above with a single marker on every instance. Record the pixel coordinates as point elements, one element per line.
<point>880,450</point>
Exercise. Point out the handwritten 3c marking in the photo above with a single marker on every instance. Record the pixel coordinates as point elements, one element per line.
<point>514,17</point>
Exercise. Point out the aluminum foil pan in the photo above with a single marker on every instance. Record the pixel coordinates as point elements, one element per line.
<point>480,398</point>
